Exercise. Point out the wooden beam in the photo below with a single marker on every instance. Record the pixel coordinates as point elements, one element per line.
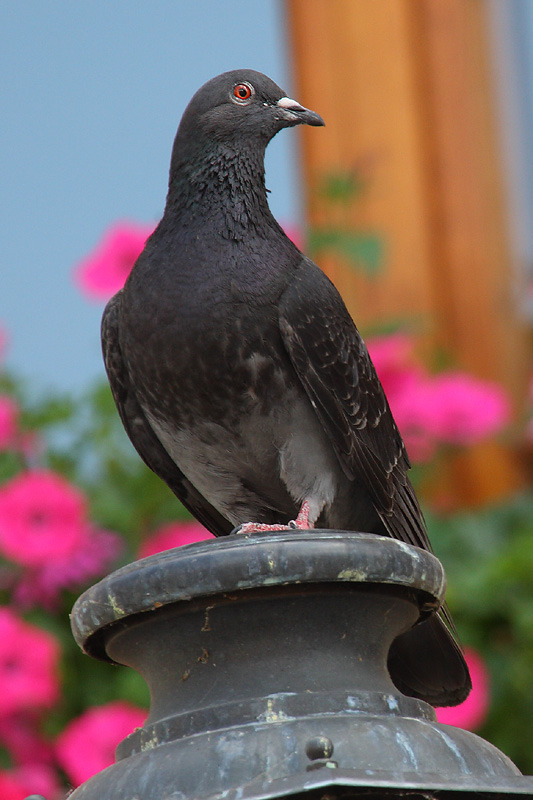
<point>360,80</point>
<point>406,91</point>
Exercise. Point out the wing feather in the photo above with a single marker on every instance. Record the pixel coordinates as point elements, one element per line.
<point>141,433</point>
<point>333,364</point>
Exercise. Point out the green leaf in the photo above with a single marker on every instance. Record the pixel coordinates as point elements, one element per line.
<point>361,250</point>
<point>52,411</point>
<point>341,187</point>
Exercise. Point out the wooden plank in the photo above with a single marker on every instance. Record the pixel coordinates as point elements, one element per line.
<point>475,313</point>
<point>359,78</point>
<point>405,88</point>
<point>472,271</point>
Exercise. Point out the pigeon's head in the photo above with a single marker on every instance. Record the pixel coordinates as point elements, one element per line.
<point>242,106</point>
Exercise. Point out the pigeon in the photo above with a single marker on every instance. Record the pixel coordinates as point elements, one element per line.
<point>241,378</point>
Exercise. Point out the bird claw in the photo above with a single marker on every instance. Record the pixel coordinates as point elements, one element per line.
<point>300,523</point>
<point>260,527</point>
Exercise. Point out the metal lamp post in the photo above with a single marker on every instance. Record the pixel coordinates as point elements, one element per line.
<point>266,659</point>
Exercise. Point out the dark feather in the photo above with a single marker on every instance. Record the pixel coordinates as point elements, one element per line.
<point>334,366</point>
<point>141,434</point>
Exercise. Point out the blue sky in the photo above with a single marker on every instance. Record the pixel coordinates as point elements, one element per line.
<point>92,96</point>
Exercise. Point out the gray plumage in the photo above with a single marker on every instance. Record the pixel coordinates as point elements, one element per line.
<point>238,373</point>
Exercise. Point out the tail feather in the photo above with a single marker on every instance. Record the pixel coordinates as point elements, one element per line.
<point>426,662</point>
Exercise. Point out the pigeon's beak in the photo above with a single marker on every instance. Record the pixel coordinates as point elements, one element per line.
<point>296,114</point>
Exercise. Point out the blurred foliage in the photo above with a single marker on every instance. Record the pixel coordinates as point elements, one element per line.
<point>359,249</point>
<point>488,556</point>
<point>83,440</point>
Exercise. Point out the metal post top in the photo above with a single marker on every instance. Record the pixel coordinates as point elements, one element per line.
<point>268,662</point>
<point>257,561</point>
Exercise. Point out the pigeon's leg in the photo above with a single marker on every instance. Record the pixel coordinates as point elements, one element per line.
<point>302,520</point>
<point>300,523</point>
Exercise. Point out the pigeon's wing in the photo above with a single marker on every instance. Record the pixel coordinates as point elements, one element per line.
<point>142,435</point>
<point>333,364</point>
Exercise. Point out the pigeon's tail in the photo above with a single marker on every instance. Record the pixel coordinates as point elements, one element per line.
<point>427,663</point>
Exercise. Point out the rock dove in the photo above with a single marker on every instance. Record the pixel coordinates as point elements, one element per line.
<point>239,374</point>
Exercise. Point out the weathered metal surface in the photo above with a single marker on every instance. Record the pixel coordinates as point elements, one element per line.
<point>247,562</point>
<point>266,661</point>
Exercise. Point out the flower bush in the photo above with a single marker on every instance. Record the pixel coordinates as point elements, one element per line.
<point>76,502</point>
<point>29,687</point>
<point>44,529</point>
<point>19,783</point>
<point>29,659</point>
<point>87,744</point>
<point>432,410</point>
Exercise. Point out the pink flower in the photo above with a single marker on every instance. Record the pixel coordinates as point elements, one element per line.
<point>44,528</point>
<point>41,585</point>
<point>472,713</point>
<point>391,354</point>
<point>451,408</point>
<point>17,784</point>
<point>28,666</point>
<point>405,385</point>
<point>104,271</point>
<point>42,516</point>
<point>9,414</point>
<point>87,745</point>
<point>529,412</point>
<point>172,535</point>
<point>20,737</point>
<point>12,787</point>
<point>463,410</point>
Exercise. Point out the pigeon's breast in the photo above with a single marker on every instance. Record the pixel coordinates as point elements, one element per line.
<point>200,333</point>
<point>205,356</point>
<point>211,372</point>
<point>227,406</point>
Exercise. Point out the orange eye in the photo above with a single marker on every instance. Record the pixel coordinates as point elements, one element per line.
<point>242,92</point>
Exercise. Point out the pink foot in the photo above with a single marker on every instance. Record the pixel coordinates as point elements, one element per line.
<point>302,520</point>
<point>300,523</point>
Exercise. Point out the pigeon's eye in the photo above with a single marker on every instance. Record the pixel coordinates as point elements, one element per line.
<point>243,93</point>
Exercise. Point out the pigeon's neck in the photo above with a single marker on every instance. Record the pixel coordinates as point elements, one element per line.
<point>225,186</point>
